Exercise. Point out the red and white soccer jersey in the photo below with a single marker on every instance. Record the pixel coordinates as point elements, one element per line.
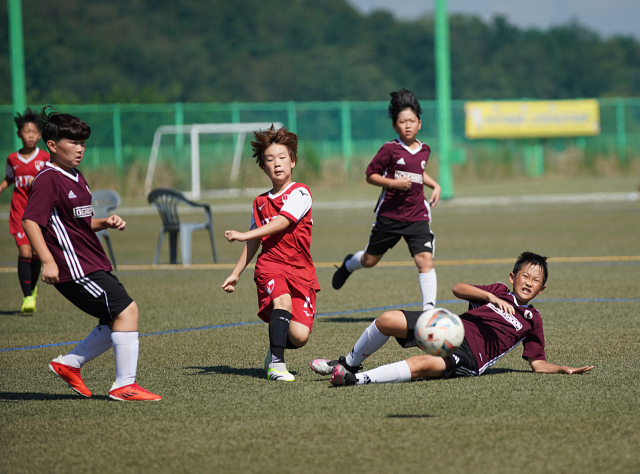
<point>287,254</point>
<point>21,171</point>
<point>396,160</point>
<point>492,333</point>
<point>60,203</point>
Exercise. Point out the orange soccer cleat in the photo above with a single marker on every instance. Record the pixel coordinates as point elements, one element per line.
<point>132,392</point>
<point>71,375</point>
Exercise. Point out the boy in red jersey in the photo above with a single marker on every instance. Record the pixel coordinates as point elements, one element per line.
<point>402,210</point>
<point>495,323</point>
<point>58,222</point>
<point>285,275</point>
<point>22,167</point>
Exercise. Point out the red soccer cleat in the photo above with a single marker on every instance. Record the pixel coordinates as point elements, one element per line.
<point>132,392</point>
<point>69,374</point>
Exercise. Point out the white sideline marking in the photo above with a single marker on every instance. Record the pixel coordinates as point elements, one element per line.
<point>541,199</point>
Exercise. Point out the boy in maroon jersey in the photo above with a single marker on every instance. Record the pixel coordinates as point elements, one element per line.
<point>402,210</point>
<point>58,222</point>
<point>285,275</point>
<point>495,323</point>
<point>22,167</point>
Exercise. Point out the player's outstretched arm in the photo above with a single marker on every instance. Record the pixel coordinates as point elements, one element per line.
<point>464,291</point>
<point>278,224</point>
<point>248,252</point>
<point>111,222</point>
<point>544,367</point>
<point>49,267</point>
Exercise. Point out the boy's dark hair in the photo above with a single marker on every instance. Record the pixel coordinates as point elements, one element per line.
<point>29,116</point>
<point>265,139</point>
<point>58,126</point>
<point>530,258</point>
<point>403,99</point>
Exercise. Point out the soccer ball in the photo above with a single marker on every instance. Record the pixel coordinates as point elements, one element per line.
<point>439,332</point>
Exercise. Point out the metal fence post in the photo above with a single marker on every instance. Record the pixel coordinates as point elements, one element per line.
<point>179,121</point>
<point>292,117</point>
<point>117,138</point>
<point>621,133</point>
<point>18,81</point>
<point>347,142</point>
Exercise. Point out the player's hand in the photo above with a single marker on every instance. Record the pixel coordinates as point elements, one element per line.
<point>115,222</point>
<point>581,370</point>
<point>230,283</point>
<point>402,184</point>
<point>50,273</point>
<point>435,197</point>
<point>503,305</point>
<point>233,235</point>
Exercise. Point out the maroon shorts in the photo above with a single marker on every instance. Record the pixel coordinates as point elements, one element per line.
<point>303,298</point>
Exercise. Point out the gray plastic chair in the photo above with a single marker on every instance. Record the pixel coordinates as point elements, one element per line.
<point>166,200</point>
<point>104,201</point>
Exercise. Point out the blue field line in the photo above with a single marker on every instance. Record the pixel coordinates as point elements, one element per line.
<point>335,313</point>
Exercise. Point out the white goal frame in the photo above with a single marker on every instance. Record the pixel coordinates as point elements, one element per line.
<point>194,131</point>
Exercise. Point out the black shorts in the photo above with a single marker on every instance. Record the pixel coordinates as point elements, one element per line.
<point>462,363</point>
<point>386,232</point>
<point>99,294</point>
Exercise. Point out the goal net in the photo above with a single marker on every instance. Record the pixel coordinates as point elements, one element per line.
<point>194,131</point>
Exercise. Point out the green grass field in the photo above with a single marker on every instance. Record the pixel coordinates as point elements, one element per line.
<point>219,414</point>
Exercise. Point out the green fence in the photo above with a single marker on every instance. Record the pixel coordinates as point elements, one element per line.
<point>122,134</point>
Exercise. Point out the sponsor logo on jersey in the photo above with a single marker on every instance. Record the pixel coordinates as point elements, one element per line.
<point>23,181</point>
<point>39,165</point>
<point>400,162</point>
<point>423,164</point>
<point>414,177</point>
<point>72,195</point>
<point>507,317</point>
<point>285,197</point>
<point>82,211</point>
<point>528,314</point>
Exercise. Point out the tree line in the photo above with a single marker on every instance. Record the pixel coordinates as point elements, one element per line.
<point>150,51</point>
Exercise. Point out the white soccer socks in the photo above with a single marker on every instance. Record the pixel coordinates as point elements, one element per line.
<point>355,262</point>
<point>398,372</point>
<point>370,341</point>
<point>429,288</point>
<point>125,349</point>
<point>97,342</point>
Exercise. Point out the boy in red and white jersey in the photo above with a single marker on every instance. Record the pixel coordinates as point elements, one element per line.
<point>498,319</point>
<point>58,221</point>
<point>399,168</point>
<point>22,167</point>
<point>284,274</point>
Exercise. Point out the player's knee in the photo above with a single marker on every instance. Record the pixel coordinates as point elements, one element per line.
<point>369,261</point>
<point>389,321</point>
<point>127,320</point>
<point>298,334</point>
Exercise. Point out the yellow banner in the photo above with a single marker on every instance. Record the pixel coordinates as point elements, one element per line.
<point>532,119</point>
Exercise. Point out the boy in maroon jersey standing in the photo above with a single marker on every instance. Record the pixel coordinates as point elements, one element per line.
<point>402,210</point>
<point>58,222</point>
<point>495,323</point>
<point>22,167</point>
<point>285,275</point>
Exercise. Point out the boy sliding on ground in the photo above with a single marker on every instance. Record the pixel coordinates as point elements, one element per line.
<point>22,167</point>
<point>285,275</point>
<point>59,226</point>
<point>402,210</point>
<point>495,323</point>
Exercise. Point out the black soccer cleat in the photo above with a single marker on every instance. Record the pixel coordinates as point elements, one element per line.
<point>341,274</point>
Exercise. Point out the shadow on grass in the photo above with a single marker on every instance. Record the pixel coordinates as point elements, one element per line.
<point>16,397</point>
<point>410,416</point>
<point>226,370</point>
<point>504,371</point>
<point>14,313</point>
<point>346,320</point>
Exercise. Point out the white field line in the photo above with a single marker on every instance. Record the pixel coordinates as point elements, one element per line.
<point>459,203</point>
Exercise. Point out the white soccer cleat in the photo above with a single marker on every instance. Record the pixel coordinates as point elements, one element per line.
<point>279,372</point>
<point>323,366</point>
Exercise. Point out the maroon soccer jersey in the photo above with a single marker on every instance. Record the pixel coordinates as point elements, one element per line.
<point>395,160</point>
<point>60,203</point>
<point>21,170</point>
<point>492,333</point>
<point>287,252</point>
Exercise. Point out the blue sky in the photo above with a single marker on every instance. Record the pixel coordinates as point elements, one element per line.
<point>606,17</point>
